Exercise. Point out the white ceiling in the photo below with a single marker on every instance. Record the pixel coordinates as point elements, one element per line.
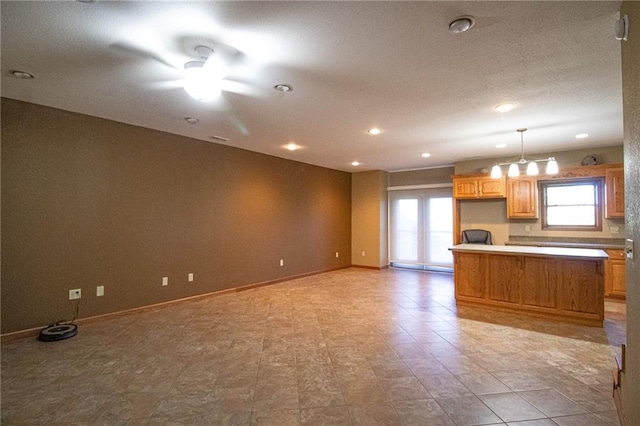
<point>353,65</point>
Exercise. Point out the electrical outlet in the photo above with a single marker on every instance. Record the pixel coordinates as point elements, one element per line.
<point>614,229</point>
<point>76,293</point>
<point>190,277</point>
<point>281,262</point>
<point>527,228</point>
<point>165,280</point>
<point>100,290</point>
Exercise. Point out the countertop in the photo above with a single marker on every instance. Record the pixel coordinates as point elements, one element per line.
<point>532,250</point>
<point>563,244</point>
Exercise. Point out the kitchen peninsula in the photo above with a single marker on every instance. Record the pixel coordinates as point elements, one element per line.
<point>560,283</point>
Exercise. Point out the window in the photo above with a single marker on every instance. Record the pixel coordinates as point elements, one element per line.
<point>572,205</point>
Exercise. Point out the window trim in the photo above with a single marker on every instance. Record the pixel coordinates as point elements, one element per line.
<point>595,181</point>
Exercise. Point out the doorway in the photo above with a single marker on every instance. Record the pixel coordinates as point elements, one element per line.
<point>421,229</point>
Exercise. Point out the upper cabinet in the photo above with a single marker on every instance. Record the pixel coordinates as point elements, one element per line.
<point>522,197</point>
<point>479,187</point>
<point>614,190</point>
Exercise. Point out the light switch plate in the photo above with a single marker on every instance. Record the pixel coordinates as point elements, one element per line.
<point>628,248</point>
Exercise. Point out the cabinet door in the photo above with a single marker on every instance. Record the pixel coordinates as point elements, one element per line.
<point>614,187</point>
<point>491,188</point>
<point>522,198</point>
<point>465,188</point>
<point>615,274</point>
<point>618,278</point>
<point>469,274</point>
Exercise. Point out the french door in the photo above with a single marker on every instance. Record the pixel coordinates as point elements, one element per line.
<point>421,228</point>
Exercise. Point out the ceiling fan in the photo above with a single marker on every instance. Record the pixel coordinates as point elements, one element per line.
<point>206,78</point>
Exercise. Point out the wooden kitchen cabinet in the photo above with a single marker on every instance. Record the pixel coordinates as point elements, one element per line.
<point>615,274</point>
<point>614,190</point>
<point>560,283</point>
<point>479,187</point>
<point>522,197</point>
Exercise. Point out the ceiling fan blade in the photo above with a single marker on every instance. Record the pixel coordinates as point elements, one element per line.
<point>137,52</point>
<point>166,85</point>
<point>244,89</point>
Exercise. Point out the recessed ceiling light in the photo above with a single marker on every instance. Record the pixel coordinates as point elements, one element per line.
<point>426,155</point>
<point>291,146</point>
<point>191,120</point>
<point>501,145</point>
<point>23,74</point>
<point>374,131</point>
<point>462,24</point>
<point>504,107</point>
<point>355,163</point>
<point>284,88</point>
<point>582,135</point>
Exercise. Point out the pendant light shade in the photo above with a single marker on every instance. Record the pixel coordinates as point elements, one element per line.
<point>532,165</point>
<point>513,170</point>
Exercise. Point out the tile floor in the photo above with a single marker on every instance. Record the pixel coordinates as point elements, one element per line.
<point>351,347</point>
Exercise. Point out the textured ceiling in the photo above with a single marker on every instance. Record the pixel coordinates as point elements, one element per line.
<point>353,65</point>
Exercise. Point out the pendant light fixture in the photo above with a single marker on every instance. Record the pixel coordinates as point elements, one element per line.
<point>532,165</point>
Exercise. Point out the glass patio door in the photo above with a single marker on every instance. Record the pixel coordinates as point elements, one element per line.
<point>421,228</point>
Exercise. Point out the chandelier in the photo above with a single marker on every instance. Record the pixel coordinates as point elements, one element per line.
<point>532,165</point>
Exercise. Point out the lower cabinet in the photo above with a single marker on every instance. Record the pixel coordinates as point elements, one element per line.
<point>615,274</point>
<point>570,289</point>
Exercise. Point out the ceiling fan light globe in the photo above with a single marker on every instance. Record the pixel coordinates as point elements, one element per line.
<point>199,85</point>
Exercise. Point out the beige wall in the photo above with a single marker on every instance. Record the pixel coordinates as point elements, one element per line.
<point>491,214</point>
<point>631,99</point>
<point>369,219</point>
<point>436,175</point>
<point>88,202</point>
<point>486,214</point>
